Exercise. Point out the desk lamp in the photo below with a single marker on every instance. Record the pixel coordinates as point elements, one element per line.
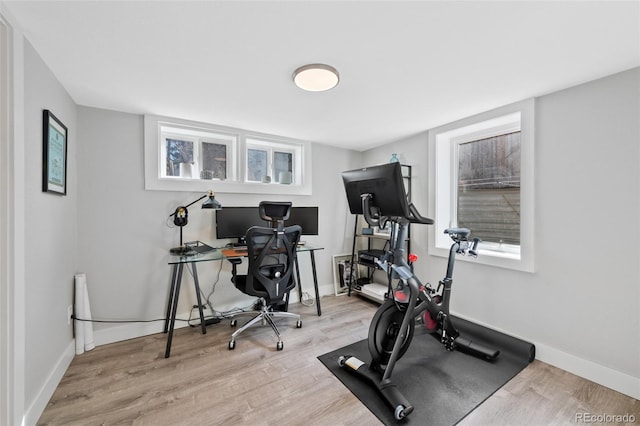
<point>181,218</point>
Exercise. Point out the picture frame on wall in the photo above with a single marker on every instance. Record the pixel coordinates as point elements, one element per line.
<point>54,154</point>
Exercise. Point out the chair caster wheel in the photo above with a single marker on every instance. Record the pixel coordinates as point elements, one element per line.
<point>299,324</point>
<point>280,346</point>
<point>232,345</point>
<point>233,323</point>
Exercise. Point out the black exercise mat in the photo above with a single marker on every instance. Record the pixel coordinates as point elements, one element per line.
<point>443,386</point>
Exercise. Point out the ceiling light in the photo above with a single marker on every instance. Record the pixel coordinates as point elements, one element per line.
<point>316,77</point>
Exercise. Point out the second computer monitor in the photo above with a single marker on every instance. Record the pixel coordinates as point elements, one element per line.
<point>233,222</point>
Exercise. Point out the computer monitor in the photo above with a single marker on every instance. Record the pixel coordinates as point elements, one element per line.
<point>233,222</point>
<point>306,217</point>
<point>384,183</point>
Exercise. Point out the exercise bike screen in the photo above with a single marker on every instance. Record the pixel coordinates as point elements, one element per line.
<point>384,183</point>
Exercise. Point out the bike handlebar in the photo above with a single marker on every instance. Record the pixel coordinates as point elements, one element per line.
<point>473,251</point>
<point>372,215</point>
<point>372,218</point>
<point>417,218</point>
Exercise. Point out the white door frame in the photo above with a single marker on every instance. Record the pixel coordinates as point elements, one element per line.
<point>12,229</point>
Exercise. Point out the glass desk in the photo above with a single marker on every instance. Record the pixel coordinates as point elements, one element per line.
<point>178,263</point>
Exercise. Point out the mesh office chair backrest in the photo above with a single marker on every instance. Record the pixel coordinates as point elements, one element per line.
<point>272,255</point>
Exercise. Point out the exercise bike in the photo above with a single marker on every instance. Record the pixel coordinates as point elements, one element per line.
<point>393,324</point>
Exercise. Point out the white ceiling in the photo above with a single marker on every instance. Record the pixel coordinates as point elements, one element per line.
<point>405,67</point>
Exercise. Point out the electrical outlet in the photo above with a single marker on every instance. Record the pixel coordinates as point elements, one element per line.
<point>69,313</point>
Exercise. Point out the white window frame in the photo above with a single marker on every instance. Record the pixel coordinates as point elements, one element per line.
<point>273,146</point>
<point>443,142</point>
<point>236,159</point>
<point>197,135</point>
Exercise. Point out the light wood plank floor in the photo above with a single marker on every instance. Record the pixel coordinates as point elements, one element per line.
<point>203,383</point>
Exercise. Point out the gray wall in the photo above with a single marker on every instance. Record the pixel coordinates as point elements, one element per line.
<point>51,230</point>
<point>124,238</point>
<point>581,306</point>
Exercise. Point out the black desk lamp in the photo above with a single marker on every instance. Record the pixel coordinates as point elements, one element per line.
<point>181,218</point>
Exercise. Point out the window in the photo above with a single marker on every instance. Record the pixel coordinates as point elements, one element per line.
<point>482,179</point>
<point>488,188</point>
<point>179,152</point>
<point>191,153</point>
<point>258,166</point>
<point>214,160</point>
<point>283,166</point>
<point>188,156</point>
<point>272,161</point>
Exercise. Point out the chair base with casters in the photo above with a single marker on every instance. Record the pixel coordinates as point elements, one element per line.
<point>265,315</point>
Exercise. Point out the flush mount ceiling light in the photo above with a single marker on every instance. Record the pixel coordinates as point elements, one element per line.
<point>316,77</point>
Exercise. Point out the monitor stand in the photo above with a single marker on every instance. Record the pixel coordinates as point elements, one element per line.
<point>242,242</point>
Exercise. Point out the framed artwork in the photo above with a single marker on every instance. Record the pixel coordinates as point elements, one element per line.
<point>54,154</point>
<point>341,271</point>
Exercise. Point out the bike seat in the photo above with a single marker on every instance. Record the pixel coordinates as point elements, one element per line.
<point>462,233</point>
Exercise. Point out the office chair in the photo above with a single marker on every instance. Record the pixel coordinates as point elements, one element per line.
<point>271,252</point>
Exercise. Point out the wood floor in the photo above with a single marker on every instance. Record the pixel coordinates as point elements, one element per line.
<point>203,383</point>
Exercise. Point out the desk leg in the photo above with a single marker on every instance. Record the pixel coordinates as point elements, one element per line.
<point>198,298</point>
<point>172,293</point>
<point>315,281</point>
<point>298,277</point>
<point>174,308</point>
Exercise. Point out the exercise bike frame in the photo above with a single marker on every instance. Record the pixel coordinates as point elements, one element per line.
<point>421,298</point>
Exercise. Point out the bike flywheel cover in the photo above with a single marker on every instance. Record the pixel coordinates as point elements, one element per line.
<point>384,331</point>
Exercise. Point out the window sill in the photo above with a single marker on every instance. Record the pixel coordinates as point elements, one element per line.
<point>492,258</point>
<point>221,187</point>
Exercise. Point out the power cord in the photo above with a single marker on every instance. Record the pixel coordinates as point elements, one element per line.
<point>307,300</point>
<point>220,315</point>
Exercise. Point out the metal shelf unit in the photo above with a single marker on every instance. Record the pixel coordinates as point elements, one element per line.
<point>366,286</point>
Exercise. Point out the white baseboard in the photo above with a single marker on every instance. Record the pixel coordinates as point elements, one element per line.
<point>36,408</point>
<point>323,290</point>
<point>131,331</point>
<point>600,374</point>
<point>605,376</point>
